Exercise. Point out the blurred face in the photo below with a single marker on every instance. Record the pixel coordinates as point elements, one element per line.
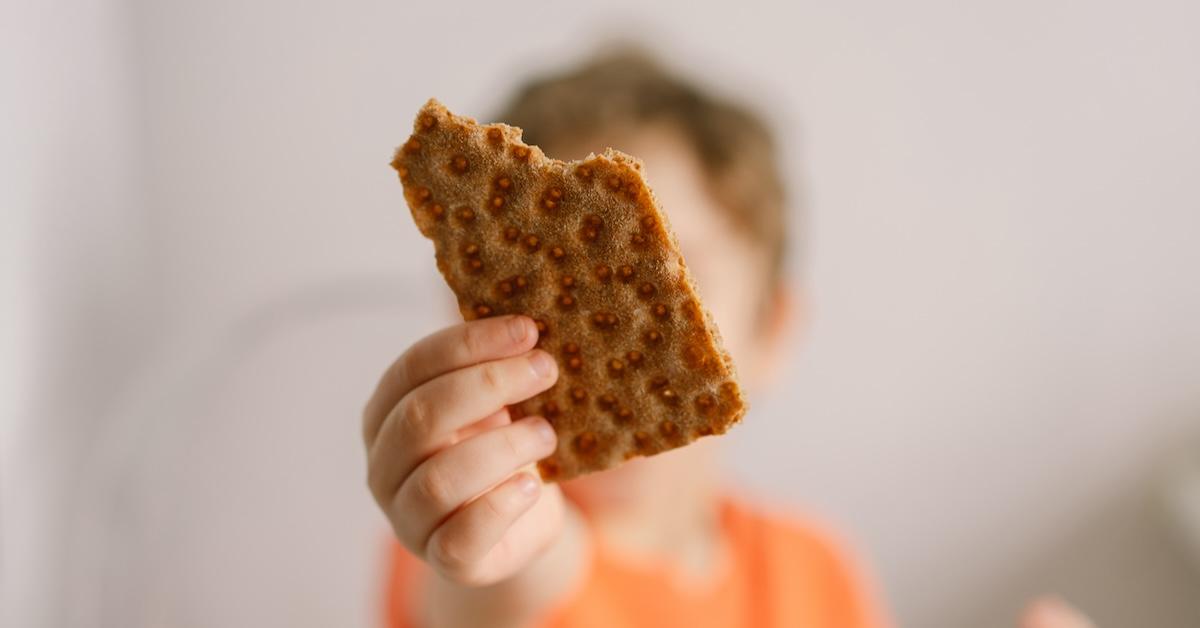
<point>731,274</point>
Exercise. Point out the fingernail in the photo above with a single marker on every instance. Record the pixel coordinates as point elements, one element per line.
<point>542,364</point>
<point>545,431</point>
<point>526,484</point>
<point>518,328</point>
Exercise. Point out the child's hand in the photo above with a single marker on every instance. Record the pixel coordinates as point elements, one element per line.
<point>444,457</point>
<point>1052,612</point>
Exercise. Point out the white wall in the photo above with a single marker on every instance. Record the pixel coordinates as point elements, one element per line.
<point>1002,237</point>
<point>78,312</point>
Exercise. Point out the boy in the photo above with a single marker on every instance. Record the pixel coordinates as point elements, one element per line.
<point>655,542</point>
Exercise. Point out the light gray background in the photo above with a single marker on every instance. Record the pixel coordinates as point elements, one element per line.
<point>206,262</point>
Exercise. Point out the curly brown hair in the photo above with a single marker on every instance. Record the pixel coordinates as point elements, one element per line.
<point>626,89</point>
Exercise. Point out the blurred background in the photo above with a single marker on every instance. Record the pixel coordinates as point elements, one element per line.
<point>207,261</point>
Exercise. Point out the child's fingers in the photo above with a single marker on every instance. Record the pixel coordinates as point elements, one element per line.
<point>498,418</point>
<point>1053,612</point>
<point>458,547</point>
<point>443,483</point>
<point>450,349</point>
<point>427,418</point>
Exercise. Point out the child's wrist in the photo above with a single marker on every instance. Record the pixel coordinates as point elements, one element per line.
<point>552,579</point>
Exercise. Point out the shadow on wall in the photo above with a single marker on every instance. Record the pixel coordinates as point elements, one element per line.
<point>1130,562</point>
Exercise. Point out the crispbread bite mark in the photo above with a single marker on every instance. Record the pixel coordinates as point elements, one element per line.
<point>582,248</point>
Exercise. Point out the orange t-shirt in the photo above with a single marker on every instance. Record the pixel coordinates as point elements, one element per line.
<point>777,573</point>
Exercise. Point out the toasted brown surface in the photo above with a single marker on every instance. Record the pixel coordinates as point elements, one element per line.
<point>583,248</point>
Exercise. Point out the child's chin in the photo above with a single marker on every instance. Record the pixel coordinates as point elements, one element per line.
<point>624,485</point>
<point>642,479</point>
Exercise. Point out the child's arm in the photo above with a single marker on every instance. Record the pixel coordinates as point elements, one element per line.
<point>445,465</point>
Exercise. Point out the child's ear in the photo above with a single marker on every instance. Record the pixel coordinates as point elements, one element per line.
<point>783,320</point>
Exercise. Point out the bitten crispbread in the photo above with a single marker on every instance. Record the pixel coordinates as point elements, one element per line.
<point>582,248</point>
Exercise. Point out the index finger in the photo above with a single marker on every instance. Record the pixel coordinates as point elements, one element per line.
<point>452,348</point>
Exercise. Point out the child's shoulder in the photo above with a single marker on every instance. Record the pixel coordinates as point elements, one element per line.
<point>803,559</point>
<point>785,534</point>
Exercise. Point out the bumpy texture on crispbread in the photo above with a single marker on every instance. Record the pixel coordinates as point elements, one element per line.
<point>582,248</point>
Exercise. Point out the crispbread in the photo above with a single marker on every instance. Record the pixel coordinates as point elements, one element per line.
<point>582,248</point>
